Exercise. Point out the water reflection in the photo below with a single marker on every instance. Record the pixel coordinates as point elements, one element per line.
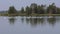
<point>39,21</point>
<point>51,20</point>
<point>33,21</point>
<point>22,19</point>
<point>11,20</point>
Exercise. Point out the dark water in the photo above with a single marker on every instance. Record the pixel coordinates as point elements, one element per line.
<point>26,25</point>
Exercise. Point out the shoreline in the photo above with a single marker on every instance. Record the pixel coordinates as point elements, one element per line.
<point>30,15</point>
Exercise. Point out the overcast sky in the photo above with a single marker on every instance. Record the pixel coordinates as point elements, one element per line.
<point>5,4</point>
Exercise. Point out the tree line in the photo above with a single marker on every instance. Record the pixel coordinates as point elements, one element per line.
<point>35,9</point>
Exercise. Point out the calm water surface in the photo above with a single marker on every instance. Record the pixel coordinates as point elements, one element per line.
<point>27,25</point>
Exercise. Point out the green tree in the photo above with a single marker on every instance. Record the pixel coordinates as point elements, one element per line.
<point>22,10</point>
<point>12,10</point>
<point>58,10</point>
<point>40,9</point>
<point>51,9</point>
<point>28,11</point>
<point>34,7</point>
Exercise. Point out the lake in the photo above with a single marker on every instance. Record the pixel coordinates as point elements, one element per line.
<point>30,25</point>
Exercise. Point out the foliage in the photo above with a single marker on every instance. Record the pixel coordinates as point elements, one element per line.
<point>22,10</point>
<point>12,10</point>
<point>36,9</point>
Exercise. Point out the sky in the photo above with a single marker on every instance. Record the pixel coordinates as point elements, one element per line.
<point>5,4</point>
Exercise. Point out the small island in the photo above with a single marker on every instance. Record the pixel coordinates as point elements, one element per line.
<point>33,10</point>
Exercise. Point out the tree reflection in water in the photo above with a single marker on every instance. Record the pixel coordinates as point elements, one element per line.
<point>34,21</point>
<point>11,20</point>
<point>51,20</point>
<point>22,19</point>
<point>37,21</point>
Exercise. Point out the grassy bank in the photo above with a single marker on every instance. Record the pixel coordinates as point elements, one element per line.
<point>30,15</point>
